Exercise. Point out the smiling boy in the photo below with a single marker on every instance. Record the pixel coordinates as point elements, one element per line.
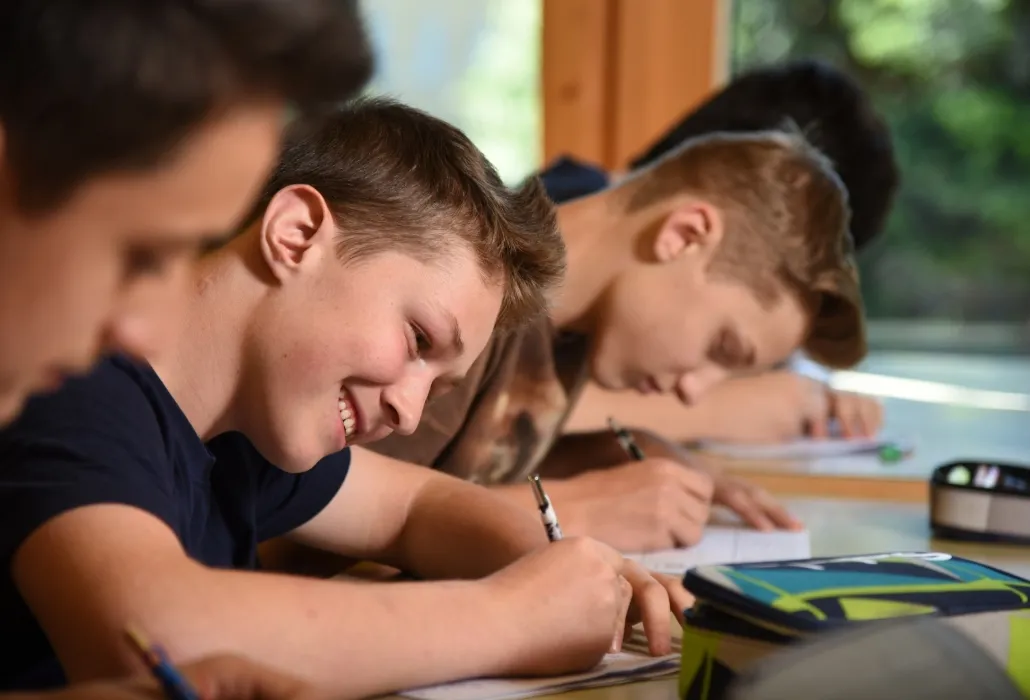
<point>378,260</point>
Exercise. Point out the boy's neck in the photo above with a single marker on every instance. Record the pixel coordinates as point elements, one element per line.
<point>204,369</point>
<point>599,239</point>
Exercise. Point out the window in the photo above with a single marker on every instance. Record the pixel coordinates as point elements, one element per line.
<point>950,276</point>
<point>952,77</point>
<point>474,63</point>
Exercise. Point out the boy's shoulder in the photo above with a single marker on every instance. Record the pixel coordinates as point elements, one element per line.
<point>567,178</point>
<point>120,400</point>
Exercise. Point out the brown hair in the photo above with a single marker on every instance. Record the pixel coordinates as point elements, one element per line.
<point>786,227</point>
<point>90,88</point>
<point>399,179</point>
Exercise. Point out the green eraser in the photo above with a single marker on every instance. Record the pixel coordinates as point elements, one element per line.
<point>891,454</point>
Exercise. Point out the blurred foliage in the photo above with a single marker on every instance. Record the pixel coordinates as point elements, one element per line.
<point>952,77</point>
<point>474,63</point>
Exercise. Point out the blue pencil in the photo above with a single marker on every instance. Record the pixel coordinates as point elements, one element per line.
<point>176,687</point>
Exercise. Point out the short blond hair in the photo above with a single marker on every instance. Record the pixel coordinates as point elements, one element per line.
<point>786,227</point>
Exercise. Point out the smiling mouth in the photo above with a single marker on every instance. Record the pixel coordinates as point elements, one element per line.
<point>348,415</point>
<point>648,385</point>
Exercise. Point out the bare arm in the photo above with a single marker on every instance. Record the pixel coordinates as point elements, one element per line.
<point>577,453</point>
<point>766,407</point>
<point>89,572</point>
<point>355,639</point>
<point>421,521</point>
<point>410,634</point>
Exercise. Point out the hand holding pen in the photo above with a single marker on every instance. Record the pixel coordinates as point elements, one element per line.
<point>547,514</point>
<point>631,580</point>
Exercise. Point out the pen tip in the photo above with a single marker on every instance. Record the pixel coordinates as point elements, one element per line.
<point>136,637</point>
<point>613,425</point>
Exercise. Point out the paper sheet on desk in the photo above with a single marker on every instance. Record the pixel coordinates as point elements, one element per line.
<point>802,449</point>
<point>613,669</point>
<point>728,545</point>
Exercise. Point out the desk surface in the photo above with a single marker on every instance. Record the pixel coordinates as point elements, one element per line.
<point>841,527</point>
<point>941,431</point>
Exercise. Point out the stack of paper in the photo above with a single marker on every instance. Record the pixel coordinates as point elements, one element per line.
<point>804,448</point>
<point>720,545</point>
<point>613,669</point>
<point>728,545</point>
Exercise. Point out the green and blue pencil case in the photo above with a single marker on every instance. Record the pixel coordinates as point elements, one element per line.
<point>746,612</point>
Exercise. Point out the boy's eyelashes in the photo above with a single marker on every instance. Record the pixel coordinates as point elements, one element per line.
<point>143,261</point>
<point>152,258</point>
<point>728,351</point>
<point>419,342</point>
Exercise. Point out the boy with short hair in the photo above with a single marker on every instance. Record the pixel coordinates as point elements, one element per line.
<point>130,133</point>
<point>725,256</point>
<point>838,117</point>
<point>383,252</point>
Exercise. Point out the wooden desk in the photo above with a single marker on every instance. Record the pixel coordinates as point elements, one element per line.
<point>859,477</point>
<point>841,527</point>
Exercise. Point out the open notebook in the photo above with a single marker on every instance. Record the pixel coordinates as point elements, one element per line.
<point>720,545</point>
<point>728,545</point>
<point>632,664</point>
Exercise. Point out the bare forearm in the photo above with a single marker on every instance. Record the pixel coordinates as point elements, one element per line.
<point>353,639</point>
<point>461,530</point>
<point>578,452</point>
<point>421,521</point>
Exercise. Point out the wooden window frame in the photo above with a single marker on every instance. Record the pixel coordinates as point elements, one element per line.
<point>617,73</point>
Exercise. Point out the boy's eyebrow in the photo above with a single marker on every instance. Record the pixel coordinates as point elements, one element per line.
<point>456,342</point>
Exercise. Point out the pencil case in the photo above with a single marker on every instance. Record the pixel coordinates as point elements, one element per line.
<point>745,612</point>
<point>979,655</point>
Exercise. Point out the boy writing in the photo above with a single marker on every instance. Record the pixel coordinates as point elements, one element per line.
<point>371,276</point>
<point>838,118</point>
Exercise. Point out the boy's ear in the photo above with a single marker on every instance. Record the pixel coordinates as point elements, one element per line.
<point>692,228</point>
<point>296,230</point>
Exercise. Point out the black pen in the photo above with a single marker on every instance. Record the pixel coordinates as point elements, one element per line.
<point>626,440</point>
<point>547,514</point>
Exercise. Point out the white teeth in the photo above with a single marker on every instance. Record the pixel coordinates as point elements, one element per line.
<point>347,416</point>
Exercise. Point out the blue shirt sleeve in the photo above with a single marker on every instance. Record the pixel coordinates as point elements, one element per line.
<point>282,501</point>
<point>566,179</point>
<point>287,501</point>
<point>97,440</point>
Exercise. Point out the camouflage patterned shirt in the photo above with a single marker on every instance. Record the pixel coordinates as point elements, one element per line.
<point>498,424</point>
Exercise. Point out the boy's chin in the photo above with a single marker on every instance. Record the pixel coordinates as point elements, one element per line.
<point>298,464</point>
<point>11,404</point>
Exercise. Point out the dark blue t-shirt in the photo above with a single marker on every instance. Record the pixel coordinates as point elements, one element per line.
<point>566,179</point>
<point>117,436</point>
